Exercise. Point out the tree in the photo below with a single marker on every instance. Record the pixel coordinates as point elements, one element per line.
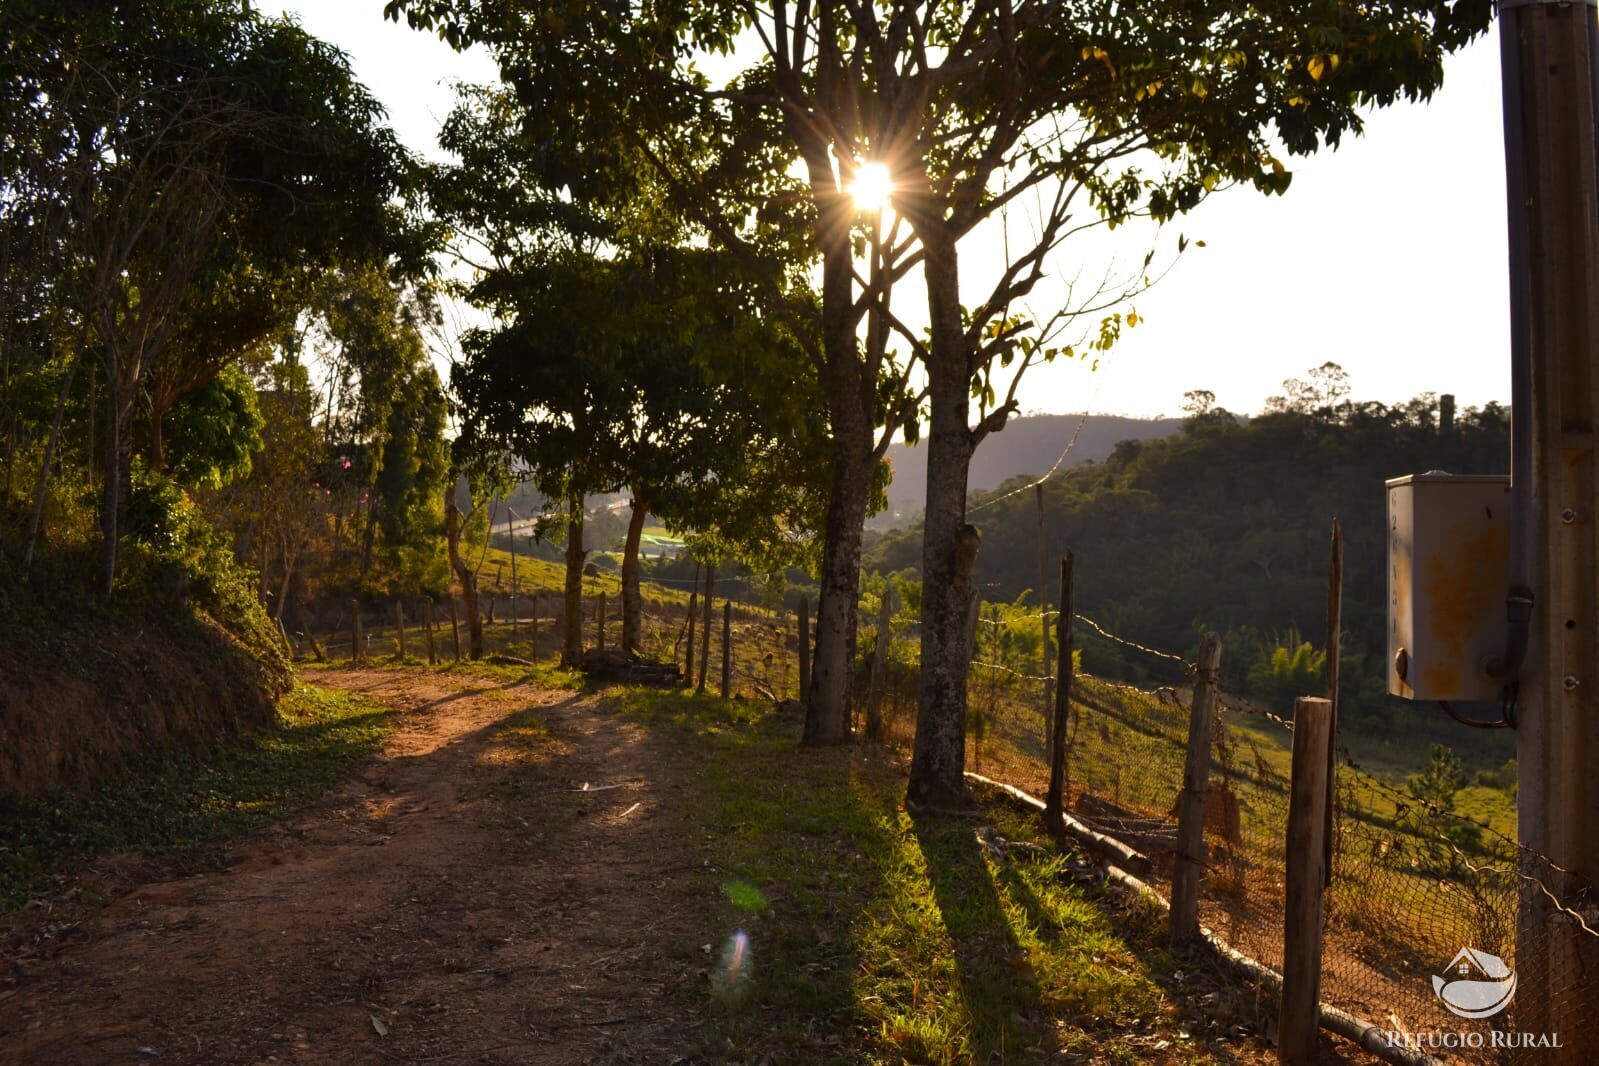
<point>639,373</point>
<point>179,150</point>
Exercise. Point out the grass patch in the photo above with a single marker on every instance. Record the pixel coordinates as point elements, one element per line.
<point>545,673</point>
<point>177,806</point>
<point>855,931</point>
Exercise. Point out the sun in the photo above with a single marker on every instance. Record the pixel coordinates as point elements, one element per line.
<point>872,187</point>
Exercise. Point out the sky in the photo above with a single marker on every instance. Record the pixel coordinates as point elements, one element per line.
<point>1387,256</point>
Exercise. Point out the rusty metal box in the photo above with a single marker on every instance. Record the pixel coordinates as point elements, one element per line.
<point>1448,570</point>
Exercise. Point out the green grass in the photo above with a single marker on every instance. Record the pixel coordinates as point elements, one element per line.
<point>875,935</point>
<point>178,806</point>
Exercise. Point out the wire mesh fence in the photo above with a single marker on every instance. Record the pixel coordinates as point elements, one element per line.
<point>1422,901</point>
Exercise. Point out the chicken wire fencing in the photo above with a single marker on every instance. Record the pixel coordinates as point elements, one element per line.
<point>1421,908</point>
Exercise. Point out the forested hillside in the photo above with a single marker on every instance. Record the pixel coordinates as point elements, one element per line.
<point>1226,526</point>
<point>1030,443</point>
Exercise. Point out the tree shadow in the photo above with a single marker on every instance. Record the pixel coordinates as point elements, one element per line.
<point>997,982</point>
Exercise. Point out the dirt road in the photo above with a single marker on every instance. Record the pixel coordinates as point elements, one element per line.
<point>463,900</point>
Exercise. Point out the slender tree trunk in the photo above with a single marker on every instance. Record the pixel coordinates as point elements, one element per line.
<point>693,606</point>
<point>289,558</point>
<point>572,622</point>
<point>158,443</point>
<point>42,486</point>
<point>632,600</point>
<point>949,547</point>
<point>705,625</point>
<point>111,503</point>
<point>463,573</point>
<point>370,531</point>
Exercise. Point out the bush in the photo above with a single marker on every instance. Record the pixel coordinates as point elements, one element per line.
<point>174,553</point>
<point>1293,669</point>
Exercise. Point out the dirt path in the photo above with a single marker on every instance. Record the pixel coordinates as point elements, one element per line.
<point>461,901</point>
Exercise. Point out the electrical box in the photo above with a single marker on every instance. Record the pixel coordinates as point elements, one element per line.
<point>1448,572</point>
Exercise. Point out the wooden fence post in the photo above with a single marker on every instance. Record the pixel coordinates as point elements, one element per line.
<point>1043,618</point>
<point>399,626</point>
<point>316,645</point>
<point>1300,1012</point>
<point>455,630</point>
<point>1335,611</point>
<point>599,622</point>
<point>693,603</point>
<point>727,647</point>
<point>879,676</point>
<point>805,651</point>
<point>1190,866</point>
<point>357,651</point>
<point>427,629</point>
<point>1055,798</point>
<point>533,628</point>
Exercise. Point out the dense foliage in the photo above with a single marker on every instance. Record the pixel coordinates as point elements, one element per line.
<point>191,196</point>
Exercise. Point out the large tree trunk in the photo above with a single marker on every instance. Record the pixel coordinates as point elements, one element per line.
<point>949,547</point>
<point>632,599</point>
<point>827,713</point>
<point>463,573</point>
<point>572,620</point>
<point>827,707</point>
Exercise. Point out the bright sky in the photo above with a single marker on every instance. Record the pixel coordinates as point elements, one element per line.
<point>1387,256</point>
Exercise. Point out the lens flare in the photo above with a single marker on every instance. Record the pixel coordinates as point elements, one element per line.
<point>731,980</point>
<point>872,186</point>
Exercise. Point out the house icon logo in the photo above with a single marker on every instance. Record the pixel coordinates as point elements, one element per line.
<point>1478,985</point>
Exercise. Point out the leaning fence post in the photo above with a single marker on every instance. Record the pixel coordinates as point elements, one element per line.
<point>727,647</point>
<point>1055,799</point>
<point>455,630</point>
<point>399,627</point>
<point>1302,906</point>
<point>1190,866</point>
<point>599,622</point>
<point>357,649</point>
<point>427,629</point>
<point>805,651</point>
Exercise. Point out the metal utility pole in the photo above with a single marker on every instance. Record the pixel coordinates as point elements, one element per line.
<point>1550,62</point>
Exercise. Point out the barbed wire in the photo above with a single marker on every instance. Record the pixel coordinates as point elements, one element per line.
<point>1125,642</point>
<point>1059,459</point>
<point>1013,673</point>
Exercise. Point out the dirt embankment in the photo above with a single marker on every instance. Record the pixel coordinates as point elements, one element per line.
<point>83,693</point>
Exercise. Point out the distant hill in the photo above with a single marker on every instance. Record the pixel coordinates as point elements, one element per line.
<point>1224,526</point>
<point>1028,445</point>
